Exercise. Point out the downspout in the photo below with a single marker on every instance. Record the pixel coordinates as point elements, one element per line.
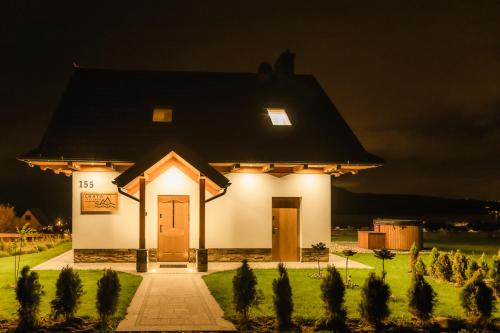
<point>218,194</point>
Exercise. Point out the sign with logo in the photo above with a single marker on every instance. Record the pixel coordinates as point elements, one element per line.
<point>99,202</point>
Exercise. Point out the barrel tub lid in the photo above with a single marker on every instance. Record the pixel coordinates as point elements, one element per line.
<point>399,222</point>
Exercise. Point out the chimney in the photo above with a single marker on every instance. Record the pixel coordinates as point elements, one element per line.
<point>265,71</point>
<point>284,66</point>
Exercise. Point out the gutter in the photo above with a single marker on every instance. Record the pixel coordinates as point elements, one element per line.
<point>218,195</point>
<point>121,191</point>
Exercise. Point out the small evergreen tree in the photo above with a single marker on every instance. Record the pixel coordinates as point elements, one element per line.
<point>282,298</point>
<point>413,257</point>
<point>459,266</point>
<point>317,249</point>
<point>421,298</point>
<point>432,265</point>
<point>384,254</point>
<point>347,254</point>
<point>29,292</point>
<point>333,296</point>
<point>420,267</point>
<point>69,290</point>
<point>495,274</point>
<point>472,267</point>
<point>374,297</point>
<point>477,299</point>
<point>444,270</point>
<point>483,265</point>
<point>245,293</point>
<point>108,293</point>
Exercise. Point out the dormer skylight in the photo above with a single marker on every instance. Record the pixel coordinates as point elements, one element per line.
<point>278,117</point>
<point>162,115</point>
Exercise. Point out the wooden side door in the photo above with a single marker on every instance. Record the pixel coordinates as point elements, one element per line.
<point>285,229</point>
<point>173,227</point>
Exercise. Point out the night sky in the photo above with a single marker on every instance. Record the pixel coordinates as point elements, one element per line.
<point>417,81</point>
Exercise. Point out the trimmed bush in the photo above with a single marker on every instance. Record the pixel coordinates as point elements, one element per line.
<point>29,292</point>
<point>444,270</point>
<point>41,247</point>
<point>459,266</point>
<point>384,254</point>
<point>472,267</point>
<point>421,298</point>
<point>69,290</point>
<point>49,245</point>
<point>3,245</point>
<point>282,298</point>
<point>333,296</point>
<point>483,265</point>
<point>4,254</point>
<point>413,257</point>
<point>108,293</point>
<point>245,293</point>
<point>433,263</point>
<point>374,297</point>
<point>420,267</point>
<point>477,299</point>
<point>495,274</point>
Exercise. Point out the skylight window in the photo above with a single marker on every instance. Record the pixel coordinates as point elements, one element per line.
<point>279,117</point>
<point>162,115</point>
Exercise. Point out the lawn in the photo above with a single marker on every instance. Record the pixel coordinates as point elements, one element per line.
<point>8,304</point>
<point>306,292</point>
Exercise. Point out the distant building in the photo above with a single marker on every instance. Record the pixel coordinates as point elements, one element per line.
<point>35,217</point>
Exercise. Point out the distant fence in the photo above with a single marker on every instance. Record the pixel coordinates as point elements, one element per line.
<point>13,235</point>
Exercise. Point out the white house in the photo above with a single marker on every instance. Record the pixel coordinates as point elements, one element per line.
<point>175,165</point>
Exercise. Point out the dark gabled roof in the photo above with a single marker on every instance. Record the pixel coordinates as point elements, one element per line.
<point>39,214</point>
<point>156,154</point>
<point>106,115</point>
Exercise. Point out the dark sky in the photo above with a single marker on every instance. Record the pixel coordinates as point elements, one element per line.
<point>417,81</point>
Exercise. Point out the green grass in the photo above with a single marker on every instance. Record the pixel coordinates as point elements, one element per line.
<point>8,304</point>
<point>306,292</point>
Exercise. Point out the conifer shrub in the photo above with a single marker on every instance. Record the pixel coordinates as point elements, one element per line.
<point>69,290</point>
<point>29,292</point>
<point>477,299</point>
<point>483,265</point>
<point>472,267</point>
<point>333,296</point>
<point>421,298</point>
<point>420,267</point>
<point>413,257</point>
<point>245,293</point>
<point>444,270</point>
<point>282,298</point>
<point>459,266</point>
<point>108,293</point>
<point>374,297</point>
<point>495,274</point>
<point>433,262</point>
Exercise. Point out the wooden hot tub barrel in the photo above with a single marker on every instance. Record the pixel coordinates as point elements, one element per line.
<point>400,234</point>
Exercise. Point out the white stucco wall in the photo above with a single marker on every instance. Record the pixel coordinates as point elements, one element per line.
<point>240,219</point>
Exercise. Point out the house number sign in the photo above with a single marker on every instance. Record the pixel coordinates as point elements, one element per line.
<point>92,202</point>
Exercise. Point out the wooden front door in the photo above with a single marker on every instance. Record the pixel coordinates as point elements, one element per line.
<point>173,227</point>
<point>285,229</point>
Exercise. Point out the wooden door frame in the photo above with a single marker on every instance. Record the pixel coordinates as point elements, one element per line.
<point>287,202</point>
<point>158,221</point>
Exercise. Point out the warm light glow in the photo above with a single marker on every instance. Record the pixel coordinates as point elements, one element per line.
<point>190,270</point>
<point>162,115</point>
<point>279,117</point>
<point>153,270</point>
<point>173,177</point>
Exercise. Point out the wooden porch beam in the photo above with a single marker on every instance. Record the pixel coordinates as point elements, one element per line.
<point>202,213</point>
<point>142,213</point>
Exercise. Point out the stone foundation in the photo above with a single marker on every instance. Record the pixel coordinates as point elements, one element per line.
<point>214,254</point>
<point>307,255</point>
<point>109,255</point>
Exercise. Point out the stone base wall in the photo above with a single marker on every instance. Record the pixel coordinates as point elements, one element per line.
<point>307,255</point>
<point>214,254</point>
<point>109,255</point>
<point>235,254</point>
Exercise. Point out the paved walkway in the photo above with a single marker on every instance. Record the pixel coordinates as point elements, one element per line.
<point>66,258</point>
